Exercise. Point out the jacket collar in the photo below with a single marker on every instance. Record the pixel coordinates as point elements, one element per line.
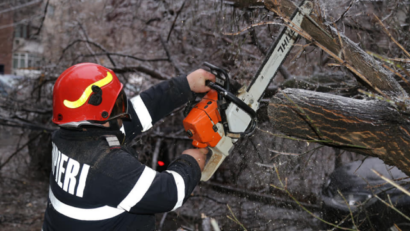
<point>89,133</point>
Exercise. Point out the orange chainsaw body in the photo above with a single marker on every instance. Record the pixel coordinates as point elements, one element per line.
<point>200,124</point>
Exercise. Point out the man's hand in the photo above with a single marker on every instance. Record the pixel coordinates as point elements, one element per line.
<point>199,155</point>
<point>197,80</point>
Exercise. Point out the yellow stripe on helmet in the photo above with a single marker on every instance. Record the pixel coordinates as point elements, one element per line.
<point>87,92</point>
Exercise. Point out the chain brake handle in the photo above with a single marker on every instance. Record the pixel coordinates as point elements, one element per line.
<point>220,74</point>
<point>224,92</point>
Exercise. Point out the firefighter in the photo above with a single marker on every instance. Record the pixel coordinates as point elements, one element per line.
<point>97,182</point>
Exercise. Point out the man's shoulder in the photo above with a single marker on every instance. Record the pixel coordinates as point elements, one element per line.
<point>93,149</point>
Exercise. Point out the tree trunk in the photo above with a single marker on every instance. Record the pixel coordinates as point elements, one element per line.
<point>376,125</point>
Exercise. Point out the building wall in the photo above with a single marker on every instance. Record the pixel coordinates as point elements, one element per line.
<point>6,41</point>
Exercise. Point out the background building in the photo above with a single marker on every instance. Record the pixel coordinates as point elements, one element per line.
<point>20,46</point>
<point>6,42</point>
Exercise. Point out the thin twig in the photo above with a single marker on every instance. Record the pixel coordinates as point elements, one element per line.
<point>392,61</point>
<point>392,207</point>
<point>250,27</point>
<point>348,206</point>
<point>129,56</point>
<point>294,199</point>
<point>372,95</point>
<point>398,74</point>
<point>333,65</point>
<point>87,44</point>
<point>397,105</point>
<point>86,41</point>
<point>17,151</point>
<point>388,60</point>
<point>341,42</point>
<point>344,13</point>
<point>391,37</point>
<point>283,153</point>
<point>392,182</point>
<point>154,74</point>
<point>162,221</point>
<point>299,52</point>
<point>234,219</point>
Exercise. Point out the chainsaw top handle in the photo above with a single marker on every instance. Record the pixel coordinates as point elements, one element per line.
<point>232,98</point>
<point>219,73</point>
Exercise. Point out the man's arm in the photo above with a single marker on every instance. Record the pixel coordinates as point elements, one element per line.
<point>160,100</point>
<point>121,181</point>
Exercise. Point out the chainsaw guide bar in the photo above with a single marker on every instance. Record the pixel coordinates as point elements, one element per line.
<point>221,117</point>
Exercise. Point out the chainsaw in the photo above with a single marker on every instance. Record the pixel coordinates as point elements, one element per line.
<point>226,114</point>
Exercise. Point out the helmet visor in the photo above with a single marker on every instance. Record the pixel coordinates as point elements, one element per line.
<point>120,109</point>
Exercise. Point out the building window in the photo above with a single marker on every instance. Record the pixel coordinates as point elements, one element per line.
<point>21,31</point>
<point>25,60</point>
<point>1,69</point>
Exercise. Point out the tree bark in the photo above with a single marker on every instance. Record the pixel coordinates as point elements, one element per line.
<point>376,125</point>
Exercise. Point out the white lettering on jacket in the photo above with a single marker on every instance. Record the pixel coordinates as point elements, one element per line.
<point>65,171</point>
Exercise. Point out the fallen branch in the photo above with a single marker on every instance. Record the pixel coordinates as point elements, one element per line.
<point>365,68</point>
<point>264,198</point>
<point>377,126</point>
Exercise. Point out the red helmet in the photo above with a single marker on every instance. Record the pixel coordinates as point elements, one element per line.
<point>85,94</point>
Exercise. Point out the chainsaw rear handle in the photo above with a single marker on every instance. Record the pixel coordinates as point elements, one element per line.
<point>219,153</point>
<point>213,164</point>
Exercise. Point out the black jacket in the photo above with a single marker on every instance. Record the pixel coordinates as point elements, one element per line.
<point>98,184</point>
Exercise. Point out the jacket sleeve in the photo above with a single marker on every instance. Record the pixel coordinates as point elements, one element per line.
<point>129,185</point>
<point>156,103</point>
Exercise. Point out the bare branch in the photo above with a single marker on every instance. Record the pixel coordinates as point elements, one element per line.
<point>345,12</point>
<point>177,69</point>
<point>18,150</point>
<point>86,41</point>
<point>145,70</point>
<point>127,56</point>
<point>175,19</point>
<point>42,19</point>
